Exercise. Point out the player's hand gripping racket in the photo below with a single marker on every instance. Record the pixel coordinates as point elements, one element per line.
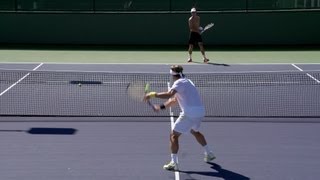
<point>207,27</point>
<point>146,91</point>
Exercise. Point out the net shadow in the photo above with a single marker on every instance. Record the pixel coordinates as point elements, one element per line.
<point>46,131</point>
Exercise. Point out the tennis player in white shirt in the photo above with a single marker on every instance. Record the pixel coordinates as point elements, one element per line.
<point>183,92</point>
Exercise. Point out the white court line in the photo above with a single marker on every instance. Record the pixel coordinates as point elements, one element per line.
<point>297,67</point>
<point>2,93</point>
<point>176,173</point>
<point>152,63</point>
<point>139,72</point>
<point>306,73</point>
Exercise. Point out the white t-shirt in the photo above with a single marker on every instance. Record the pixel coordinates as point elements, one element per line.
<point>188,98</point>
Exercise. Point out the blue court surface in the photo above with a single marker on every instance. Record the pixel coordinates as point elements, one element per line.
<point>136,148</point>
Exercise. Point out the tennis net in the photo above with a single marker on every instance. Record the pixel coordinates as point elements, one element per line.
<point>248,94</point>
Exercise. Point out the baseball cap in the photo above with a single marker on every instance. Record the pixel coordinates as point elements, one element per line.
<point>193,10</point>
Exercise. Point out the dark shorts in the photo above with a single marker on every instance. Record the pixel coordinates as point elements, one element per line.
<point>195,38</point>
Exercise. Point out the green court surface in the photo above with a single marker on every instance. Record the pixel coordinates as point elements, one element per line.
<point>160,55</point>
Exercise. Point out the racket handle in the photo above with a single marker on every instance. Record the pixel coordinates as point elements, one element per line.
<point>151,105</point>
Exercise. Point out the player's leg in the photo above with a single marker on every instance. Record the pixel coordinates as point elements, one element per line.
<point>199,137</point>
<point>181,125</point>
<point>174,142</point>
<point>205,59</point>
<point>190,52</point>
<point>208,153</point>
<point>192,41</point>
<point>174,147</point>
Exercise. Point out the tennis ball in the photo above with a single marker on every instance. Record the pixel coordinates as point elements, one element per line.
<point>79,84</point>
<point>200,28</point>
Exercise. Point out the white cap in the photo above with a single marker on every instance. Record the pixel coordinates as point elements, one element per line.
<point>193,10</point>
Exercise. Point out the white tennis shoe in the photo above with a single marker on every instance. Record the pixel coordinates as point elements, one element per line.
<point>171,166</point>
<point>209,157</point>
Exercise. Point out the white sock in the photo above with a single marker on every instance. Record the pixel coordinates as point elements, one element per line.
<point>174,158</point>
<point>207,149</point>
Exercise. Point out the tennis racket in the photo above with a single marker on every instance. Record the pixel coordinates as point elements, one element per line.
<point>146,91</point>
<point>207,27</point>
<point>137,90</point>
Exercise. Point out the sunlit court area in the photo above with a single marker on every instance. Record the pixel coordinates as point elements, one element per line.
<point>159,89</point>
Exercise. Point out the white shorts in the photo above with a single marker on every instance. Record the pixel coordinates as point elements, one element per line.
<point>184,124</point>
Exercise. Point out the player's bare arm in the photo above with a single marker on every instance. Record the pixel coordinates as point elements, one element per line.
<point>161,95</point>
<point>166,95</point>
<point>169,103</point>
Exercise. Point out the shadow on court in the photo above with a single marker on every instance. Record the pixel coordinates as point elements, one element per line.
<point>218,64</point>
<point>48,131</point>
<point>214,64</point>
<point>218,172</point>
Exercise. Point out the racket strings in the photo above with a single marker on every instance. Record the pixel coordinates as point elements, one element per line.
<point>136,91</point>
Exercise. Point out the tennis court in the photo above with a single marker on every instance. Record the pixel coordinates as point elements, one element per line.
<point>72,75</point>
<point>47,135</point>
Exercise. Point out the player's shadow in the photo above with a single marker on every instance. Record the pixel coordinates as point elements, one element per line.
<point>214,64</point>
<point>219,172</point>
<point>218,64</point>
